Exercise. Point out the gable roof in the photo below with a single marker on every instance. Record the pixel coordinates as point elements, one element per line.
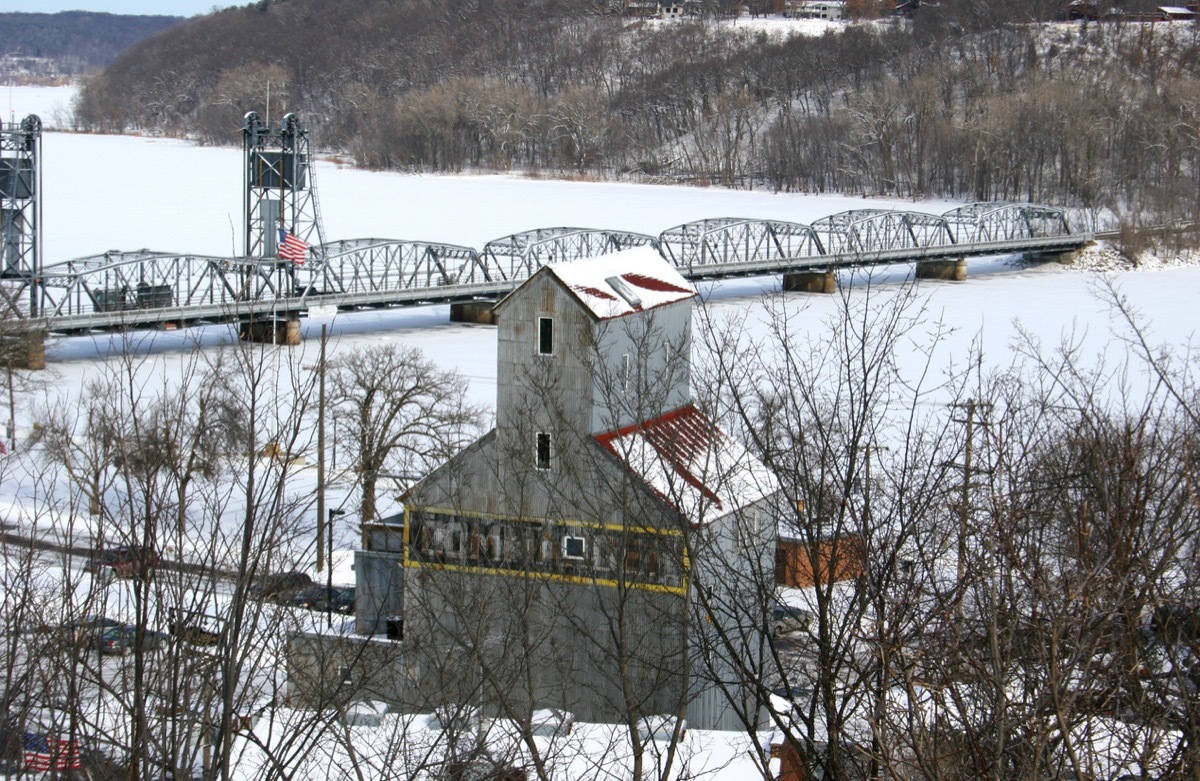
<point>620,283</point>
<point>691,463</point>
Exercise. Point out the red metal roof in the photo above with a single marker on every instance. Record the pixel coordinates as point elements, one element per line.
<point>682,440</point>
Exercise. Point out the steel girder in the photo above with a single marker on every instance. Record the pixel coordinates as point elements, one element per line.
<point>726,240</point>
<point>374,265</point>
<point>988,221</point>
<point>123,281</point>
<point>20,206</point>
<point>866,231</point>
<point>518,256</point>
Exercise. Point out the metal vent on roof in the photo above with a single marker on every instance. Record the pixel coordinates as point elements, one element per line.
<point>624,291</point>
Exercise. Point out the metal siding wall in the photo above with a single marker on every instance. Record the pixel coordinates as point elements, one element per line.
<point>734,575</point>
<point>380,589</point>
<point>665,335</point>
<point>495,476</point>
<point>519,363</point>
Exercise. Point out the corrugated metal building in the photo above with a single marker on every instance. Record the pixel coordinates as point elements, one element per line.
<point>557,562</point>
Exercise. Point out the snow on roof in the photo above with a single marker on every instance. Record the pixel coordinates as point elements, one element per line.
<point>691,463</point>
<point>632,280</point>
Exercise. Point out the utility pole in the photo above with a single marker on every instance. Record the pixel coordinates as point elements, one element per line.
<point>333,513</point>
<point>972,409</point>
<point>321,454</point>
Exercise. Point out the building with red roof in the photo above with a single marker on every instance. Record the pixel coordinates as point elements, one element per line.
<point>578,555</point>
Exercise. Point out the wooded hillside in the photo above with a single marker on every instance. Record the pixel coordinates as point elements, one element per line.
<point>75,41</point>
<point>961,100</point>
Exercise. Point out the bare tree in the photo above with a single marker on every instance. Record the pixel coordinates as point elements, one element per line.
<point>396,410</point>
<point>861,462</point>
<point>174,465</point>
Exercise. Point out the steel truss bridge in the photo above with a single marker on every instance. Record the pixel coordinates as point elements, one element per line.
<point>150,289</point>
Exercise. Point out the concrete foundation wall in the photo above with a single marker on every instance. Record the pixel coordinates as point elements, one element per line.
<point>282,332</point>
<point>329,671</point>
<point>479,312</point>
<point>810,282</point>
<point>950,270</point>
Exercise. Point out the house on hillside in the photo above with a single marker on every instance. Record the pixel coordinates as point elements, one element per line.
<point>1174,13</point>
<point>640,8</point>
<point>660,9</point>
<point>581,554</point>
<point>832,10</point>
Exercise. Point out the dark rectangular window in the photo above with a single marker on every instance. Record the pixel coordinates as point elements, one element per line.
<point>574,548</point>
<point>545,335</point>
<point>543,450</point>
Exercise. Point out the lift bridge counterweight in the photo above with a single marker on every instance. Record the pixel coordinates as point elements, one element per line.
<point>279,186</point>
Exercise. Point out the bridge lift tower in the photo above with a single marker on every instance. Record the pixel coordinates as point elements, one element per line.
<point>21,205</point>
<point>280,188</point>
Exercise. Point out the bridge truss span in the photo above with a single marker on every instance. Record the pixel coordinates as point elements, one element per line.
<point>516,257</point>
<point>993,221</point>
<point>137,288</point>
<point>868,231</point>
<point>725,242</point>
<point>148,289</point>
<point>360,269</point>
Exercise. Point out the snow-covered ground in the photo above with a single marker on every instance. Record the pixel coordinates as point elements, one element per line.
<point>105,192</point>
<point>124,192</point>
<point>52,104</point>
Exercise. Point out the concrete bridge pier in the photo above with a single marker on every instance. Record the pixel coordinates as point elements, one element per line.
<point>952,270</point>
<point>473,312</point>
<point>272,331</point>
<point>23,348</point>
<point>810,282</point>
<point>1063,258</point>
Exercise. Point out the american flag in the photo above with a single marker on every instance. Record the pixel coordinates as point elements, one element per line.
<point>292,247</point>
<point>43,753</point>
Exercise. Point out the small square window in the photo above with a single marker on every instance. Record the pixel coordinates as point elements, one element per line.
<point>545,335</point>
<point>544,450</point>
<point>574,548</point>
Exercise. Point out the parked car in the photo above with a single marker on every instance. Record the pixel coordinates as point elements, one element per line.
<point>125,561</point>
<point>123,640</point>
<point>345,601</point>
<point>786,619</point>
<point>281,587</point>
<point>321,598</point>
<point>86,630</point>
